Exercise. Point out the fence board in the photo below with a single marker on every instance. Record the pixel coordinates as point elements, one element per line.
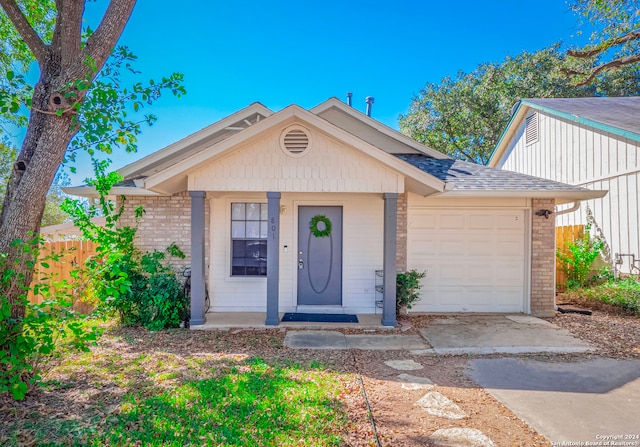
<point>72,254</point>
<point>565,235</point>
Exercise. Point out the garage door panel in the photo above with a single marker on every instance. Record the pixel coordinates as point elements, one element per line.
<point>475,260</point>
<point>482,222</point>
<point>452,222</point>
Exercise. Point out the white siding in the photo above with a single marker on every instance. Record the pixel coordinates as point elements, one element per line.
<point>328,166</point>
<point>581,155</point>
<point>362,252</point>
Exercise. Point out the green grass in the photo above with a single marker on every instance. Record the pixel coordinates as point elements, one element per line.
<point>159,398</point>
<point>624,294</point>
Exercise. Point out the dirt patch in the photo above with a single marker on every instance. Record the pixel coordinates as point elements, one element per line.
<point>613,331</point>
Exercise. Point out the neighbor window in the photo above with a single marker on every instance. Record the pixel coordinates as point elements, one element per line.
<point>248,239</point>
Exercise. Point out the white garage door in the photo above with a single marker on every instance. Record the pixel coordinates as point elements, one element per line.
<point>475,260</point>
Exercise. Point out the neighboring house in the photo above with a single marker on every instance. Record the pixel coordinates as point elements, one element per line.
<point>241,195</point>
<point>588,142</point>
<point>67,230</point>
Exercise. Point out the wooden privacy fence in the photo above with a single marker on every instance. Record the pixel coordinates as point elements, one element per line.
<point>72,255</point>
<point>564,235</point>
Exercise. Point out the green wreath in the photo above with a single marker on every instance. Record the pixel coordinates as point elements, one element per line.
<point>314,226</point>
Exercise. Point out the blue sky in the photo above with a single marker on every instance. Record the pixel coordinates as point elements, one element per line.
<point>234,53</point>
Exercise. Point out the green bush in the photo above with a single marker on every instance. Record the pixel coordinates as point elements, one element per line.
<point>408,288</point>
<point>623,293</point>
<point>140,288</point>
<point>154,298</point>
<point>577,263</point>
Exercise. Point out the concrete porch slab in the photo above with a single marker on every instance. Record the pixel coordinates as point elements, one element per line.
<point>499,334</point>
<point>255,320</point>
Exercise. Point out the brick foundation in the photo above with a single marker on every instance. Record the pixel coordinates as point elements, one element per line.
<point>543,259</point>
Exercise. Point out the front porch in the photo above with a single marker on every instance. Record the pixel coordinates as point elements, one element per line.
<point>284,258</point>
<point>256,320</point>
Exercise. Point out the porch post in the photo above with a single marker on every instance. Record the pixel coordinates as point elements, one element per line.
<point>389,261</point>
<point>273,258</point>
<point>197,258</point>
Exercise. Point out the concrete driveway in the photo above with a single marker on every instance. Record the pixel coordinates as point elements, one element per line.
<point>590,402</point>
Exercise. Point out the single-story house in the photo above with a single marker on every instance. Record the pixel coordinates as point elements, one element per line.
<point>589,142</point>
<point>306,210</point>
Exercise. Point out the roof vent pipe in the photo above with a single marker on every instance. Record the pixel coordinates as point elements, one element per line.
<point>369,100</point>
<point>349,95</point>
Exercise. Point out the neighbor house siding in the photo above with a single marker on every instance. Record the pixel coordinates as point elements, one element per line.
<point>362,252</point>
<point>584,156</point>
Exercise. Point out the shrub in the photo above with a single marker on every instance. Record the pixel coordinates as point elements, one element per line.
<point>577,263</point>
<point>154,298</point>
<point>140,288</point>
<point>407,288</point>
<point>623,293</point>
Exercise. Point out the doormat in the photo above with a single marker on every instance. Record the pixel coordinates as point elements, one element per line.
<point>320,318</point>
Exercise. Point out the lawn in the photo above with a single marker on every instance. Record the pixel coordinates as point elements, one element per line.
<point>176,388</point>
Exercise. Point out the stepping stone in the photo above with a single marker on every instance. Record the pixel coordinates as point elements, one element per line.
<point>411,382</point>
<point>404,365</point>
<point>460,437</point>
<point>439,405</point>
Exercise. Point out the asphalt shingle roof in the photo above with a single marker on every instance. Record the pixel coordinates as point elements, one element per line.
<point>471,176</point>
<point>623,113</point>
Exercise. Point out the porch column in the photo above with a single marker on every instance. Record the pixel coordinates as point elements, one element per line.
<point>389,261</point>
<point>273,258</point>
<point>197,258</point>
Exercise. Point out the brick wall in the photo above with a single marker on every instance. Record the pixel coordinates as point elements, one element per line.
<point>166,220</point>
<point>543,259</point>
<point>401,247</point>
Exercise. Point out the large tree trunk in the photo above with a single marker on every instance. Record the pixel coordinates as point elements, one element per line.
<point>42,152</point>
<point>61,62</point>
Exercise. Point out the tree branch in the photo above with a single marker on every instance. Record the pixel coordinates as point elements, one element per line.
<point>31,38</point>
<point>70,14</point>
<point>103,40</point>
<point>583,54</point>
<point>608,66</point>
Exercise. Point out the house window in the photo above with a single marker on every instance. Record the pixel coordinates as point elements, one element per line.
<point>248,239</point>
<point>531,129</point>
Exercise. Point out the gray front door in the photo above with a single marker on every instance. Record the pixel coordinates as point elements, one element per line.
<point>320,258</point>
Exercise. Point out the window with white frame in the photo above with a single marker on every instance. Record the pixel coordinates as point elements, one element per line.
<point>248,239</point>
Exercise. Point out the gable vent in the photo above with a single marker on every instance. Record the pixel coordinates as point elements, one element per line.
<point>531,130</point>
<point>295,140</point>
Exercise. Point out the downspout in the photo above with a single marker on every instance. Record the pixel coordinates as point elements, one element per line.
<point>572,208</point>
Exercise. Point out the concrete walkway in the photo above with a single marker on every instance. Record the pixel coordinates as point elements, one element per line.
<point>468,334</point>
<point>338,340</point>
